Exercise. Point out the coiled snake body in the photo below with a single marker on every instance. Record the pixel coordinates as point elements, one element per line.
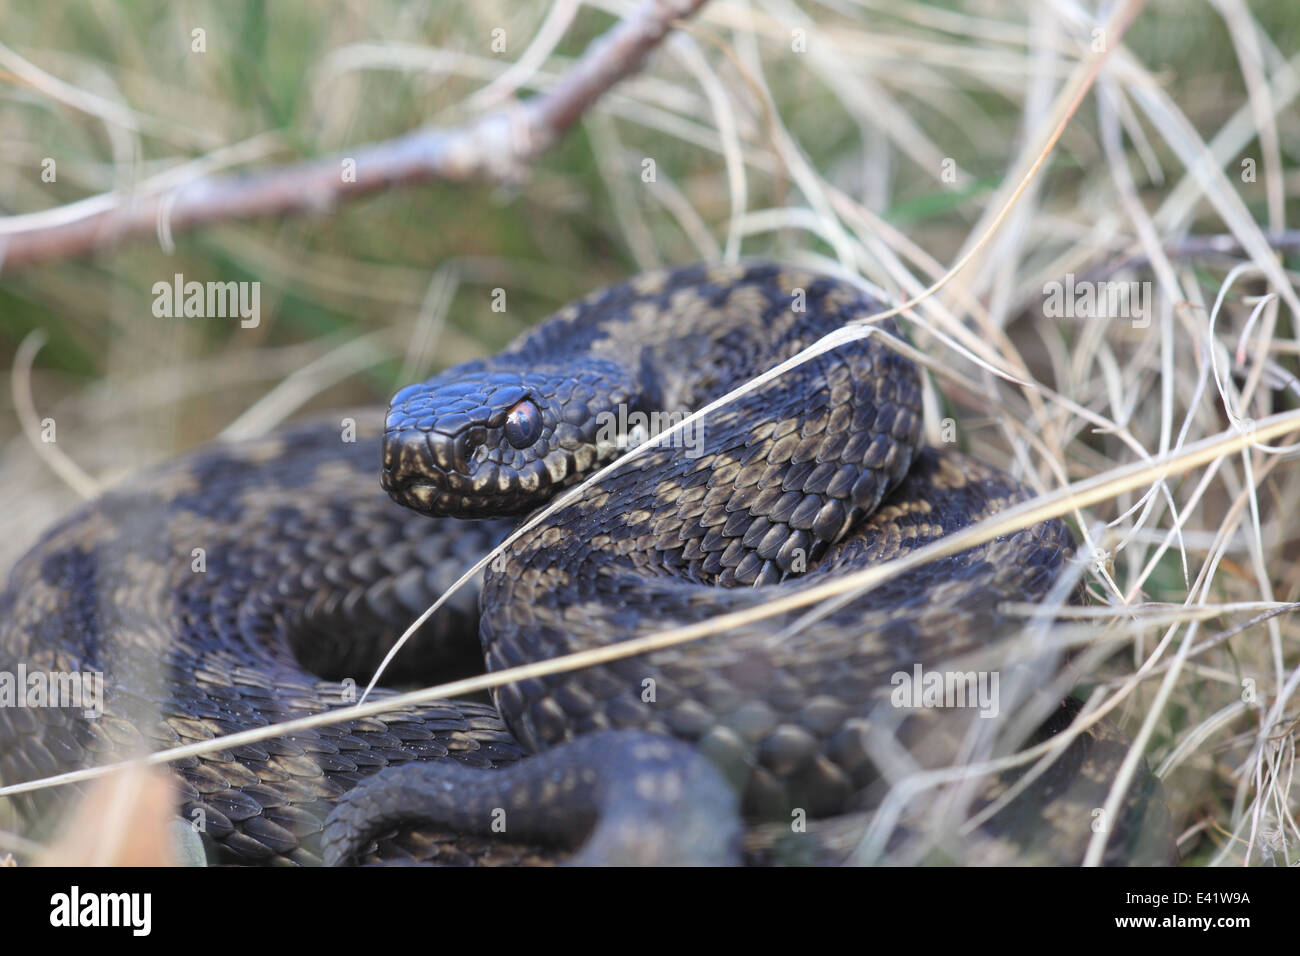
<point>250,583</point>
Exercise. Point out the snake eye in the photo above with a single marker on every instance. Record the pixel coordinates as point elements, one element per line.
<point>523,424</point>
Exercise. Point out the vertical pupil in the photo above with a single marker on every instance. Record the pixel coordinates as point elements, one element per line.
<point>521,424</point>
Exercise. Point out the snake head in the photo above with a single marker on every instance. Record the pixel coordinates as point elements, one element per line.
<point>478,442</point>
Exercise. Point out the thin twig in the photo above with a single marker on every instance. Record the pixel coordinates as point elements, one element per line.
<point>496,147</point>
<point>1223,245</point>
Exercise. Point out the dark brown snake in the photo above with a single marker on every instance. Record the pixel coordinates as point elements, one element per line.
<point>251,583</point>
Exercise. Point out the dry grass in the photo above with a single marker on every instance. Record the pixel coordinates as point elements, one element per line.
<point>838,157</point>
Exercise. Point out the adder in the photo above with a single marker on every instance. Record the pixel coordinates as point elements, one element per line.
<point>253,582</point>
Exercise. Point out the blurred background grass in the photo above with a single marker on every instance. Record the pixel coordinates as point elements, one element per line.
<point>378,292</point>
<point>367,265</point>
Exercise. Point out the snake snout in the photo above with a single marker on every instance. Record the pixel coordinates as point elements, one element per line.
<point>468,444</point>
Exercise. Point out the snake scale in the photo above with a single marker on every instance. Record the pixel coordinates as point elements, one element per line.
<point>253,582</point>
